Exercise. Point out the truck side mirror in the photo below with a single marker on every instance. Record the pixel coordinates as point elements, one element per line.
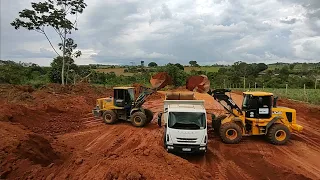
<point>159,119</point>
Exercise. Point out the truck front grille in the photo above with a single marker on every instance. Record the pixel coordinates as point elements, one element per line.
<point>187,140</point>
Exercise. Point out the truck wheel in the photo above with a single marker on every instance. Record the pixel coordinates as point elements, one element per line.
<point>149,115</point>
<point>109,117</point>
<point>138,119</point>
<point>278,134</point>
<point>230,133</point>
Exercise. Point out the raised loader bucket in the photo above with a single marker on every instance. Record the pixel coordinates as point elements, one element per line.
<point>199,84</point>
<point>160,80</point>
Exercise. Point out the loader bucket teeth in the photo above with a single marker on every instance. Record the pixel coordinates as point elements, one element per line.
<point>199,84</point>
<point>160,80</point>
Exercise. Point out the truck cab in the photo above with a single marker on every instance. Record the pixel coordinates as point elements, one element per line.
<point>185,122</point>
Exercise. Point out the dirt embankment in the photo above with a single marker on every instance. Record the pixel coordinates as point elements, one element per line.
<point>51,134</point>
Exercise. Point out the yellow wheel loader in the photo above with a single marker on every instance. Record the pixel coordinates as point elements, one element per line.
<point>259,115</point>
<point>124,106</point>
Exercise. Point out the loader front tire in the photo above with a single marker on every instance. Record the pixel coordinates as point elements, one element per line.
<point>216,123</point>
<point>149,115</point>
<point>109,117</point>
<point>230,133</point>
<point>278,134</point>
<point>138,119</point>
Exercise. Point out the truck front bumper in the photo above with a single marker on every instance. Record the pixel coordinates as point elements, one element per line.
<point>186,148</point>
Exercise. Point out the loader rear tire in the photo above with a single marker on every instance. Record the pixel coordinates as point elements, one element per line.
<point>138,119</point>
<point>149,115</point>
<point>109,117</point>
<point>230,133</point>
<point>278,134</point>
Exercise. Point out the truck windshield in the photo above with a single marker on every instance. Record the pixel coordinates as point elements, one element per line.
<point>187,120</point>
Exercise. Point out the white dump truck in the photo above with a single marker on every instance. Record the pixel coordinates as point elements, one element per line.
<point>185,122</point>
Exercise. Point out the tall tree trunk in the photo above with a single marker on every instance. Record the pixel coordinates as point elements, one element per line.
<point>63,55</point>
<point>67,73</point>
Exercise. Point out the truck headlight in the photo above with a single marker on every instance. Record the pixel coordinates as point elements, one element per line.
<point>170,147</point>
<point>202,148</point>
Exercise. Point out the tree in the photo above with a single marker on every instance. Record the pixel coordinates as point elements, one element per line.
<point>193,63</point>
<point>179,66</point>
<point>178,76</point>
<point>56,65</point>
<point>152,64</point>
<point>53,13</point>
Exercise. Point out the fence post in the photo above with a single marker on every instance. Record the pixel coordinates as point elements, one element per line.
<point>286,89</point>
<point>304,91</point>
<point>249,86</point>
<point>255,85</point>
<point>244,83</point>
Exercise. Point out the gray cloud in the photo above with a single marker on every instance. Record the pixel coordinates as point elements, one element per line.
<point>289,21</point>
<point>118,32</point>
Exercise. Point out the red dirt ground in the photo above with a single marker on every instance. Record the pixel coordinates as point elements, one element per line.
<point>51,134</point>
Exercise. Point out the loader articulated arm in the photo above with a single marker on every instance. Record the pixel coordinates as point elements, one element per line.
<point>220,96</point>
<point>145,92</point>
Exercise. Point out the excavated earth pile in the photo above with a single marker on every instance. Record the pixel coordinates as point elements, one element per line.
<point>50,133</point>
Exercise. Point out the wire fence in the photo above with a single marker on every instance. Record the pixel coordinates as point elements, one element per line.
<point>302,94</point>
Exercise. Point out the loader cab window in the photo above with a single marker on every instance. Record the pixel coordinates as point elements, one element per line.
<point>257,106</point>
<point>123,97</point>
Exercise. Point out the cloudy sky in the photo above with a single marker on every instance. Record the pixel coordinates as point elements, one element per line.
<point>208,31</point>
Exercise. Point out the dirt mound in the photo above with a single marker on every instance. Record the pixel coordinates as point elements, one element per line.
<point>53,109</point>
<point>37,149</point>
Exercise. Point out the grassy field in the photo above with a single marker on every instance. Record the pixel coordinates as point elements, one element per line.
<point>206,68</point>
<point>310,95</point>
<point>117,71</point>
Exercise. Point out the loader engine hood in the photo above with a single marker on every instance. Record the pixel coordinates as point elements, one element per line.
<point>104,101</point>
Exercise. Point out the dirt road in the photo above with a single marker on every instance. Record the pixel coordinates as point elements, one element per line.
<point>94,150</point>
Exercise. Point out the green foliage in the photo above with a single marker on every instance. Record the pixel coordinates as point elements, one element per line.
<point>56,65</point>
<point>194,63</point>
<point>178,75</point>
<point>22,73</point>
<point>53,14</point>
<point>152,64</point>
<point>179,66</point>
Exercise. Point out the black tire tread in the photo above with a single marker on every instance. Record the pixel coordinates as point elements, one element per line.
<point>230,125</point>
<point>149,115</point>
<point>114,118</point>
<point>271,134</point>
<point>143,119</point>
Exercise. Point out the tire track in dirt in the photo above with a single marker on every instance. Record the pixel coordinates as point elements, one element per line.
<point>255,158</point>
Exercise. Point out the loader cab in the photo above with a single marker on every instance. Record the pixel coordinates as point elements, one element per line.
<point>123,96</point>
<point>257,105</point>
